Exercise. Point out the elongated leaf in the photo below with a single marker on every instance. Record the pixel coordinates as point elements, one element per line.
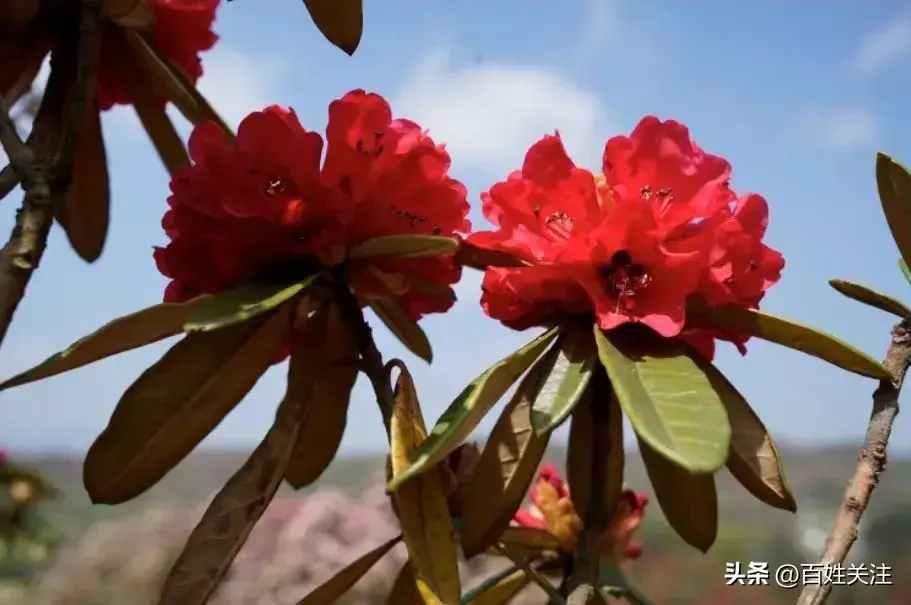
<point>465,413</point>
<point>332,590</point>
<point>870,297</point>
<point>529,539</point>
<point>176,403</point>
<point>129,13</point>
<point>589,440</point>
<point>894,183</point>
<point>753,458</point>
<point>242,304</point>
<point>787,333</point>
<point>229,519</point>
<point>505,469</point>
<point>573,360</point>
<point>331,363</point>
<point>688,500</point>
<point>423,512</point>
<point>166,84</point>
<point>469,255</point>
<point>138,329</point>
<point>21,62</point>
<point>206,111</point>
<point>403,327</point>
<point>149,107</point>
<point>84,213</point>
<point>405,246</point>
<point>499,589</point>
<point>405,590</point>
<point>340,21</point>
<point>667,397</point>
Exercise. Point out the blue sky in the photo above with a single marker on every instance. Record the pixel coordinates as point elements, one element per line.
<point>797,95</point>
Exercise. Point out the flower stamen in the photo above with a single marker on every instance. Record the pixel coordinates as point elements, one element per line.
<point>624,278</point>
<point>275,186</point>
<point>377,147</point>
<point>560,225</point>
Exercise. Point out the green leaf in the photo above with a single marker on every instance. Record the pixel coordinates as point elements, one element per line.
<point>870,297</point>
<point>509,582</point>
<point>904,268</point>
<point>894,183</point>
<point>405,246</point>
<point>144,327</point>
<point>465,413</point>
<point>572,361</point>
<point>668,398</point>
<point>403,327</point>
<point>786,333</point>
<point>242,303</point>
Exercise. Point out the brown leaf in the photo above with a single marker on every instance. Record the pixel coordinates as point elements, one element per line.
<point>469,255</point>
<point>20,61</point>
<point>129,13</point>
<point>421,503</point>
<point>85,211</point>
<point>227,523</point>
<point>15,14</point>
<point>506,468</point>
<point>689,501</point>
<point>149,106</point>
<point>403,327</point>
<point>581,454</point>
<point>340,21</point>
<point>331,591</point>
<point>330,362</point>
<point>501,591</point>
<point>405,590</point>
<point>177,402</point>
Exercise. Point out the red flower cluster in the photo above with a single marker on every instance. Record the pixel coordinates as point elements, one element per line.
<point>182,30</point>
<point>552,510</point>
<point>260,206</point>
<point>631,245</point>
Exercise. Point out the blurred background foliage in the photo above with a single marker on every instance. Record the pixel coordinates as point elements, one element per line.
<point>119,555</point>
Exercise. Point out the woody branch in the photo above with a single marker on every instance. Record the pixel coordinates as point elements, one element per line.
<point>44,179</point>
<point>871,463</point>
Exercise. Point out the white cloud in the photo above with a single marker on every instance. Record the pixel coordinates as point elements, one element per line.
<point>600,24</point>
<point>845,129</point>
<point>489,114</point>
<point>883,46</point>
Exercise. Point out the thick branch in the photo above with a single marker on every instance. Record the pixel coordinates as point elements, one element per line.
<point>871,463</point>
<point>44,180</point>
<point>583,583</point>
<point>371,358</point>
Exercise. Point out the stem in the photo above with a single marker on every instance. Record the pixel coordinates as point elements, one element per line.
<point>554,596</point>
<point>871,463</point>
<point>371,358</point>
<point>44,180</point>
<point>583,582</point>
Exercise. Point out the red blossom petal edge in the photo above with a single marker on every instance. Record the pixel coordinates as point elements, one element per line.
<point>182,30</point>
<point>631,245</point>
<point>262,206</point>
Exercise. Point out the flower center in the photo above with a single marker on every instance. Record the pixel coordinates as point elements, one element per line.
<point>663,198</point>
<point>275,186</point>
<point>624,278</point>
<point>558,225</point>
<point>412,219</point>
<point>374,151</point>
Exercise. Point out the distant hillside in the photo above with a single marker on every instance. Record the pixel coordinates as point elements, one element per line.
<point>816,476</point>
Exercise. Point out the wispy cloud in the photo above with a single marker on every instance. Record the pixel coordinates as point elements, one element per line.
<point>489,114</point>
<point>846,129</point>
<point>600,24</point>
<point>884,46</point>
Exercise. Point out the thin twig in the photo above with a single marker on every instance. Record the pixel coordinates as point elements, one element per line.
<point>44,180</point>
<point>523,564</point>
<point>371,359</point>
<point>583,583</point>
<point>871,463</point>
<point>8,180</point>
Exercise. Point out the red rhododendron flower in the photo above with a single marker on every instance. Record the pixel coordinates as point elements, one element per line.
<point>182,30</point>
<point>631,245</point>
<point>4,457</point>
<point>260,207</point>
<point>552,510</point>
